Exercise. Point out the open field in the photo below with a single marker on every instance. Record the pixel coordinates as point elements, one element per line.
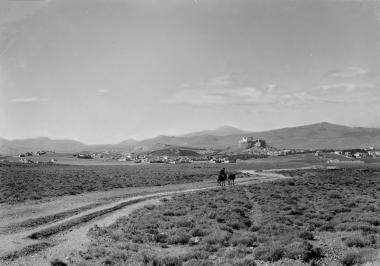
<point>68,158</point>
<point>316,217</point>
<point>34,181</point>
<point>319,217</point>
<point>21,182</point>
<point>32,233</point>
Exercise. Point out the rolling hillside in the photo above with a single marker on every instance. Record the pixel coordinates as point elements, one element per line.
<point>220,131</point>
<point>174,152</point>
<point>322,135</point>
<point>36,144</point>
<point>315,136</point>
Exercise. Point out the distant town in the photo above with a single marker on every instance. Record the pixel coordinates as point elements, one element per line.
<point>247,148</point>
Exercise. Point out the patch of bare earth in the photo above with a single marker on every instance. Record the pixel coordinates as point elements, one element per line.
<point>58,228</point>
<point>322,217</point>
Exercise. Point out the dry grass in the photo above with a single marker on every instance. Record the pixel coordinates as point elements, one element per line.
<point>269,222</point>
<point>20,182</point>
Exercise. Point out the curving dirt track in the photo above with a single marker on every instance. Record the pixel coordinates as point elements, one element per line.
<point>36,233</point>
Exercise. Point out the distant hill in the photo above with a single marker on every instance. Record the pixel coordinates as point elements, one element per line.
<point>128,142</point>
<point>220,131</point>
<point>125,145</point>
<point>22,145</point>
<point>322,135</point>
<point>174,152</point>
<point>316,136</point>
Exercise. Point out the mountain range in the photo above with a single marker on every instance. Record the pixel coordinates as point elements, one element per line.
<point>315,136</point>
<point>220,132</point>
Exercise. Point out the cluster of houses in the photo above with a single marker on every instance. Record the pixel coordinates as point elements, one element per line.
<point>280,152</point>
<point>252,148</point>
<point>31,153</point>
<point>27,160</point>
<point>359,153</point>
<point>24,156</point>
<point>349,155</point>
<point>249,148</point>
<point>146,158</point>
<point>177,160</point>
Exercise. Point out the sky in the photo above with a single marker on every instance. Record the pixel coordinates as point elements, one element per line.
<point>105,71</point>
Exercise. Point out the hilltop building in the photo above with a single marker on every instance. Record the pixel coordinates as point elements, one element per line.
<point>250,142</point>
<point>245,140</point>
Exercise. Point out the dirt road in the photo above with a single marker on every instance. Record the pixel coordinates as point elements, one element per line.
<point>35,233</point>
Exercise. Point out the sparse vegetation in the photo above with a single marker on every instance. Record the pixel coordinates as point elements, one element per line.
<point>294,222</point>
<point>358,257</point>
<point>20,182</point>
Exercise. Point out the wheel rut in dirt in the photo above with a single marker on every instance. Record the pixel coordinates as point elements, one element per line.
<point>51,236</point>
<point>83,219</point>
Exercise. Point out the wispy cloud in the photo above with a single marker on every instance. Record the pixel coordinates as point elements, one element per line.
<point>341,88</point>
<point>185,85</point>
<point>220,81</point>
<point>227,90</point>
<point>343,93</point>
<point>103,91</point>
<point>273,95</point>
<point>234,96</point>
<point>27,100</point>
<point>350,72</point>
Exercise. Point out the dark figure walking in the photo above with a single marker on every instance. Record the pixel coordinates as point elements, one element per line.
<point>231,179</point>
<point>222,177</point>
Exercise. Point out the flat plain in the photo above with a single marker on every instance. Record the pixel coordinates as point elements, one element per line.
<point>293,210</point>
<point>22,182</point>
<point>318,217</point>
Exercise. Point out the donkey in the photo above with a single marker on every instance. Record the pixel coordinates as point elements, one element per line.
<point>231,179</point>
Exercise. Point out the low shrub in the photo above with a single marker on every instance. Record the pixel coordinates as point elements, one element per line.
<point>238,262</point>
<point>196,254</point>
<point>246,239</point>
<point>351,259</point>
<point>167,261</point>
<point>199,232</point>
<point>254,228</point>
<point>328,227</point>
<point>245,262</point>
<point>196,262</point>
<point>306,235</point>
<point>161,238</point>
<point>58,262</point>
<point>356,241</point>
<point>180,237</point>
<point>334,194</point>
<point>237,225</point>
<point>211,248</point>
<point>269,253</point>
<point>303,251</point>
<point>360,257</point>
<point>217,237</point>
<point>185,223</point>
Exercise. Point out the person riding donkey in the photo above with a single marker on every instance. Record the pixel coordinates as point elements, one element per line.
<point>222,177</point>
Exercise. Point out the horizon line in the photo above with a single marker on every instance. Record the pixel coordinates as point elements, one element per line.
<point>181,134</point>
